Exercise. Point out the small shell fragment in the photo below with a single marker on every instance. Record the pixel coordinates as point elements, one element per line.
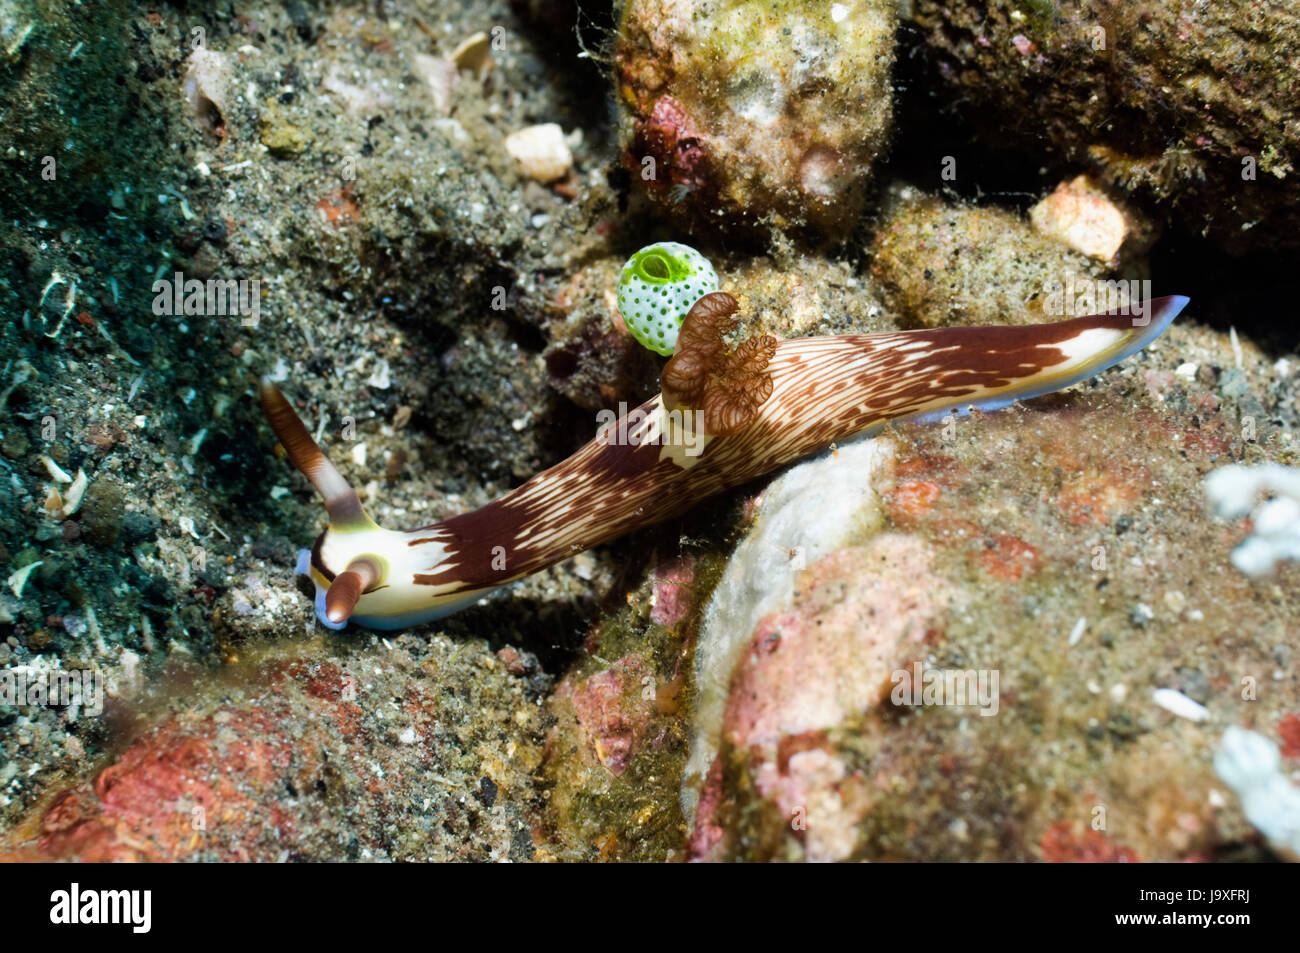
<point>53,502</point>
<point>541,152</point>
<point>1175,702</point>
<point>57,473</point>
<point>72,502</point>
<point>18,578</point>
<point>474,53</point>
<point>206,86</point>
<point>1076,634</point>
<point>440,74</point>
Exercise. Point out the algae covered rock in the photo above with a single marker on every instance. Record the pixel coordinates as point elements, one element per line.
<point>943,264</point>
<point>103,512</point>
<point>740,114</point>
<point>617,742</point>
<point>1193,106</point>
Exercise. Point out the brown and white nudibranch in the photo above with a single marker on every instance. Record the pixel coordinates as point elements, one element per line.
<point>725,415</point>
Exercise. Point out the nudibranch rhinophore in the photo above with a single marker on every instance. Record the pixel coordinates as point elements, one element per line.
<point>725,415</point>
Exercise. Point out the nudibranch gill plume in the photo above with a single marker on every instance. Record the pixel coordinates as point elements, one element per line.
<point>725,415</point>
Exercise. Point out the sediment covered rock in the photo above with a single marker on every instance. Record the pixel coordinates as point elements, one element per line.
<point>740,115</point>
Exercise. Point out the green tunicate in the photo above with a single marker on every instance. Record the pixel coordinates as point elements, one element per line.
<point>656,288</point>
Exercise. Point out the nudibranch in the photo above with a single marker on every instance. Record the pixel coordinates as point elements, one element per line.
<point>725,415</point>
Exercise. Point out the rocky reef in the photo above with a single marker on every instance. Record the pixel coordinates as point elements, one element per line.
<point>1190,107</point>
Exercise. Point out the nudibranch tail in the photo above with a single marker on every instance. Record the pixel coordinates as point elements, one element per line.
<point>1086,346</point>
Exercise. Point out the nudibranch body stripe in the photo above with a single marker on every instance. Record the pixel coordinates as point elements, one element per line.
<point>823,390</point>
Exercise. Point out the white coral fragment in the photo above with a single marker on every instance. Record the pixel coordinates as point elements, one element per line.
<point>1250,764</point>
<point>1233,491</point>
